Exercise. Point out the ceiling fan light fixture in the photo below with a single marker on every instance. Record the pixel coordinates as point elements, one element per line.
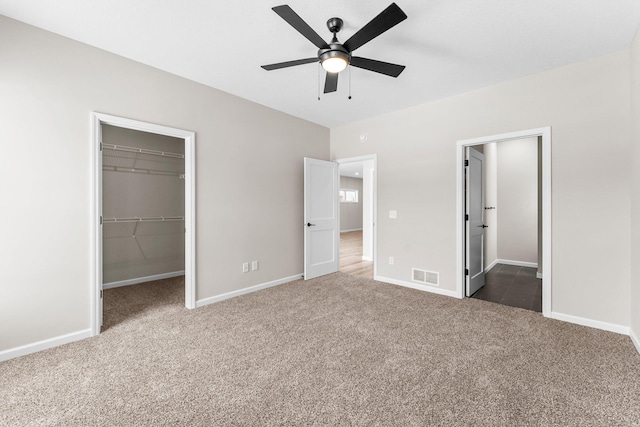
<point>335,64</point>
<point>334,59</point>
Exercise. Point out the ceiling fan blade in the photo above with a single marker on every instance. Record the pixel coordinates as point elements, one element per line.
<point>302,27</point>
<point>331,83</point>
<point>289,64</point>
<point>387,19</point>
<point>387,68</point>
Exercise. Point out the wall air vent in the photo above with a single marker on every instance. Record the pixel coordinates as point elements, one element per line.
<point>425,277</point>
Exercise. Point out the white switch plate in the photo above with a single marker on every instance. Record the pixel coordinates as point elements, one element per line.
<point>245,267</point>
<point>393,214</point>
<point>254,265</point>
<point>391,260</point>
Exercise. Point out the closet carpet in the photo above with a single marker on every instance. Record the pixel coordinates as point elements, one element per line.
<point>337,350</point>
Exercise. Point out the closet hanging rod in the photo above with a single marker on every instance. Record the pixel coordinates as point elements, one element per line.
<point>138,170</point>
<point>142,151</point>
<point>144,219</point>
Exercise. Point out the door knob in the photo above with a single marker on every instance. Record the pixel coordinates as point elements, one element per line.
<point>310,225</point>
<point>483,226</point>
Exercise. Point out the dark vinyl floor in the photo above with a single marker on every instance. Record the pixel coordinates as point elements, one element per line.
<point>513,286</point>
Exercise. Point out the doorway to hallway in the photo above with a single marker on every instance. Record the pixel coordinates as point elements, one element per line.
<point>351,261</point>
<point>357,216</point>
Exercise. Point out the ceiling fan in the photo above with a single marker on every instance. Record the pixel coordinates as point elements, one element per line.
<point>335,56</point>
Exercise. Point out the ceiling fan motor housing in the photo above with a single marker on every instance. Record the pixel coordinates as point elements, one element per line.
<point>334,25</point>
<point>335,50</point>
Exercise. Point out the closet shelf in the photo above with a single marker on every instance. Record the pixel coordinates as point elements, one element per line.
<point>144,219</point>
<point>142,151</point>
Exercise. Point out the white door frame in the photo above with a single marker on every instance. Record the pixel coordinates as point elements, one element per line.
<point>545,134</point>
<point>97,120</point>
<point>374,214</point>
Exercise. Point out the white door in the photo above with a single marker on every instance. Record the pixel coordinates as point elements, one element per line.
<point>99,309</point>
<point>475,221</point>
<point>321,223</point>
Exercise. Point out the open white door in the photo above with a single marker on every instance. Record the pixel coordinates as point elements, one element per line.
<point>475,221</point>
<point>321,224</point>
<point>99,276</point>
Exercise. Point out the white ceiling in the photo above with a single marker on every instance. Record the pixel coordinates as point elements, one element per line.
<point>449,47</point>
<point>352,169</point>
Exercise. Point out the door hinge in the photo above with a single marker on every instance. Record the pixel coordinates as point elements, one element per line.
<point>100,219</point>
<point>466,162</point>
<point>101,146</point>
<point>100,293</point>
<point>466,217</point>
<point>466,271</point>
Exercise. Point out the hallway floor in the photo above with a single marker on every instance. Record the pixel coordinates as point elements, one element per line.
<point>351,255</point>
<point>513,286</point>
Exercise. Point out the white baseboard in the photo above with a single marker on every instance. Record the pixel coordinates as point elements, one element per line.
<point>417,286</point>
<point>350,230</point>
<point>634,339</point>
<point>538,275</point>
<point>490,266</point>
<point>222,297</point>
<point>517,263</point>
<point>142,279</point>
<point>611,327</point>
<point>43,345</point>
<point>367,258</point>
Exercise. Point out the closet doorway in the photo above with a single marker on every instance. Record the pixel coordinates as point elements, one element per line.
<point>144,206</point>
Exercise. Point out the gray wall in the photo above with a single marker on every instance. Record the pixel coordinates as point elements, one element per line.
<point>351,213</point>
<point>587,106</point>
<point>136,250</point>
<point>635,191</point>
<point>249,177</point>
<point>517,200</point>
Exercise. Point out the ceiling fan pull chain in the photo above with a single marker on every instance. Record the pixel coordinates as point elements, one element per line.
<point>349,82</point>
<point>319,66</point>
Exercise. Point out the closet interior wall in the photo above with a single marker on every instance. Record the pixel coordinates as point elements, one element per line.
<point>142,205</point>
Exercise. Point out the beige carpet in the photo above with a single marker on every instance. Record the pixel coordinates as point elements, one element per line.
<point>338,350</point>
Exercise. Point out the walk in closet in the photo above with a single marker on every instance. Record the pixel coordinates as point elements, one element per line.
<point>142,206</point>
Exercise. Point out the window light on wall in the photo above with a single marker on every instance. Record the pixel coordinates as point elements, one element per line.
<point>348,196</point>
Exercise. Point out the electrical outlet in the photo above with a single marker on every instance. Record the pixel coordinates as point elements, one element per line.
<point>254,265</point>
<point>391,260</point>
<point>393,214</point>
<point>245,267</point>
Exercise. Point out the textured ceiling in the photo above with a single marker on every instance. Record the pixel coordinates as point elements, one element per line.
<point>449,47</point>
